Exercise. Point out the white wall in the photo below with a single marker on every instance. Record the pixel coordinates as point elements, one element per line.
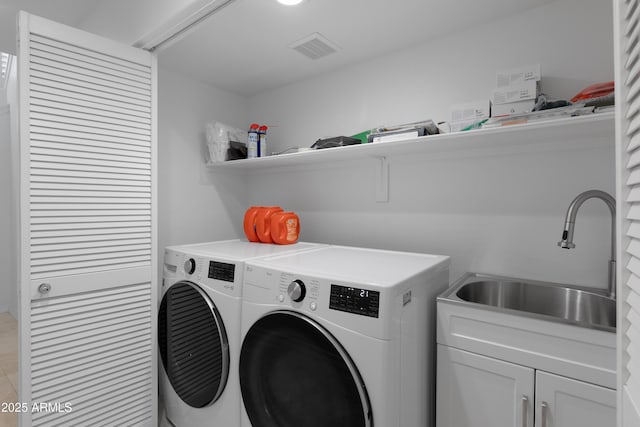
<point>195,205</point>
<point>571,39</point>
<point>6,223</point>
<point>9,194</point>
<point>500,214</point>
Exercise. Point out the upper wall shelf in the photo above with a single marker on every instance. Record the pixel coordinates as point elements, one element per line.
<point>591,131</point>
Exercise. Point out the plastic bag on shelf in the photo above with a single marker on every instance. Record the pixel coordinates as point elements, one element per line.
<point>219,136</point>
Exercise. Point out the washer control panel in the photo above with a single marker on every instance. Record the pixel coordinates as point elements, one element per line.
<point>354,300</point>
<point>300,292</point>
<point>360,306</point>
<point>349,299</point>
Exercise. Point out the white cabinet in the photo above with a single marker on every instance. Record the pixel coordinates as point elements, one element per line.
<point>479,391</point>
<point>563,402</point>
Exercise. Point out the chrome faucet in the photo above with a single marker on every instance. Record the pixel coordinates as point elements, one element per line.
<point>570,223</point>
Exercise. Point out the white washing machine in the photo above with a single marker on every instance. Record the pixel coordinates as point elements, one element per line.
<point>340,337</point>
<point>199,329</point>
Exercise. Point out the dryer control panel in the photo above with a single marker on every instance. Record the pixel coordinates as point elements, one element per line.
<point>222,271</point>
<point>215,274</point>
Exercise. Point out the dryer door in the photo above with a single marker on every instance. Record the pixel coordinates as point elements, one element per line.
<point>193,344</point>
<point>294,373</point>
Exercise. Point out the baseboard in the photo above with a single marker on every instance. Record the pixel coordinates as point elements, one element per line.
<point>630,410</point>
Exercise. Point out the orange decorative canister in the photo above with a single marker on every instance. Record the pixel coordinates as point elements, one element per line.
<point>285,228</point>
<point>263,224</point>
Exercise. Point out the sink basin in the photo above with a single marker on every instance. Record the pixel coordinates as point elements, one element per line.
<point>538,299</point>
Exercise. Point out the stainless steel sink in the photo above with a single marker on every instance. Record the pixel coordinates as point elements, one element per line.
<point>581,306</point>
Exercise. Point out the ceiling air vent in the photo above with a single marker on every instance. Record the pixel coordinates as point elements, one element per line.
<point>315,46</point>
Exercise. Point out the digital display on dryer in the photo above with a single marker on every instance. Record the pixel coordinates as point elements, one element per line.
<point>222,271</point>
<point>354,300</point>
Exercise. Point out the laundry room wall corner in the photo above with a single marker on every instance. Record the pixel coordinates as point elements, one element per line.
<point>195,205</point>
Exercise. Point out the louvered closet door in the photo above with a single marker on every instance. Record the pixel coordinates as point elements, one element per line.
<point>88,269</point>
<point>627,56</point>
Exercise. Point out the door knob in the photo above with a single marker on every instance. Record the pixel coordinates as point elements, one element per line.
<point>44,288</point>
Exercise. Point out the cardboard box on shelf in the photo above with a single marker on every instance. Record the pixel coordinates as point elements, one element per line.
<point>470,111</point>
<point>515,93</point>
<point>512,107</point>
<point>518,75</point>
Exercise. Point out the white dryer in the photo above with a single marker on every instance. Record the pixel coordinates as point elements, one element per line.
<point>199,329</point>
<point>340,337</point>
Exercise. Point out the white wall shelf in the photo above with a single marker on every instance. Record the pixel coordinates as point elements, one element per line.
<point>591,131</point>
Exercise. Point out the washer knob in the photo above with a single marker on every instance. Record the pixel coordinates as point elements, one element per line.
<point>297,290</point>
<point>190,266</point>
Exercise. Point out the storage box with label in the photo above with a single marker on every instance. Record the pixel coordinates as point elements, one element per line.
<point>470,111</point>
<point>512,108</point>
<point>469,114</point>
<point>515,93</point>
<point>518,75</point>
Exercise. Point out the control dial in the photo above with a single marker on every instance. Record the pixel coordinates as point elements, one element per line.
<point>297,290</point>
<point>190,266</point>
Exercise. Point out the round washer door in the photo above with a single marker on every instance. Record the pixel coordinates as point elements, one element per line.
<point>294,373</point>
<point>193,344</point>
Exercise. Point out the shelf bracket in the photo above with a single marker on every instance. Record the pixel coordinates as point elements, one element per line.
<point>382,180</point>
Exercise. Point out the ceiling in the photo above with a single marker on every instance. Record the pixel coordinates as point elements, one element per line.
<point>70,12</point>
<point>244,47</point>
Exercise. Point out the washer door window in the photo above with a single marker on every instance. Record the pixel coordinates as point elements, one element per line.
<point>193,344</point>
<point>294,373</point>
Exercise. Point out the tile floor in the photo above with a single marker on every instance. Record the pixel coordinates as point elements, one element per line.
<point>8,367</point>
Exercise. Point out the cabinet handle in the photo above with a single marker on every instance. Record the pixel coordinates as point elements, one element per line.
<point>544,408</point>
<point>525,406</point>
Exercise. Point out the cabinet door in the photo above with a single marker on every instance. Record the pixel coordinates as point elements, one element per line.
<point>88,245</point>
<point>479,391</point>
<point>563,402</point>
